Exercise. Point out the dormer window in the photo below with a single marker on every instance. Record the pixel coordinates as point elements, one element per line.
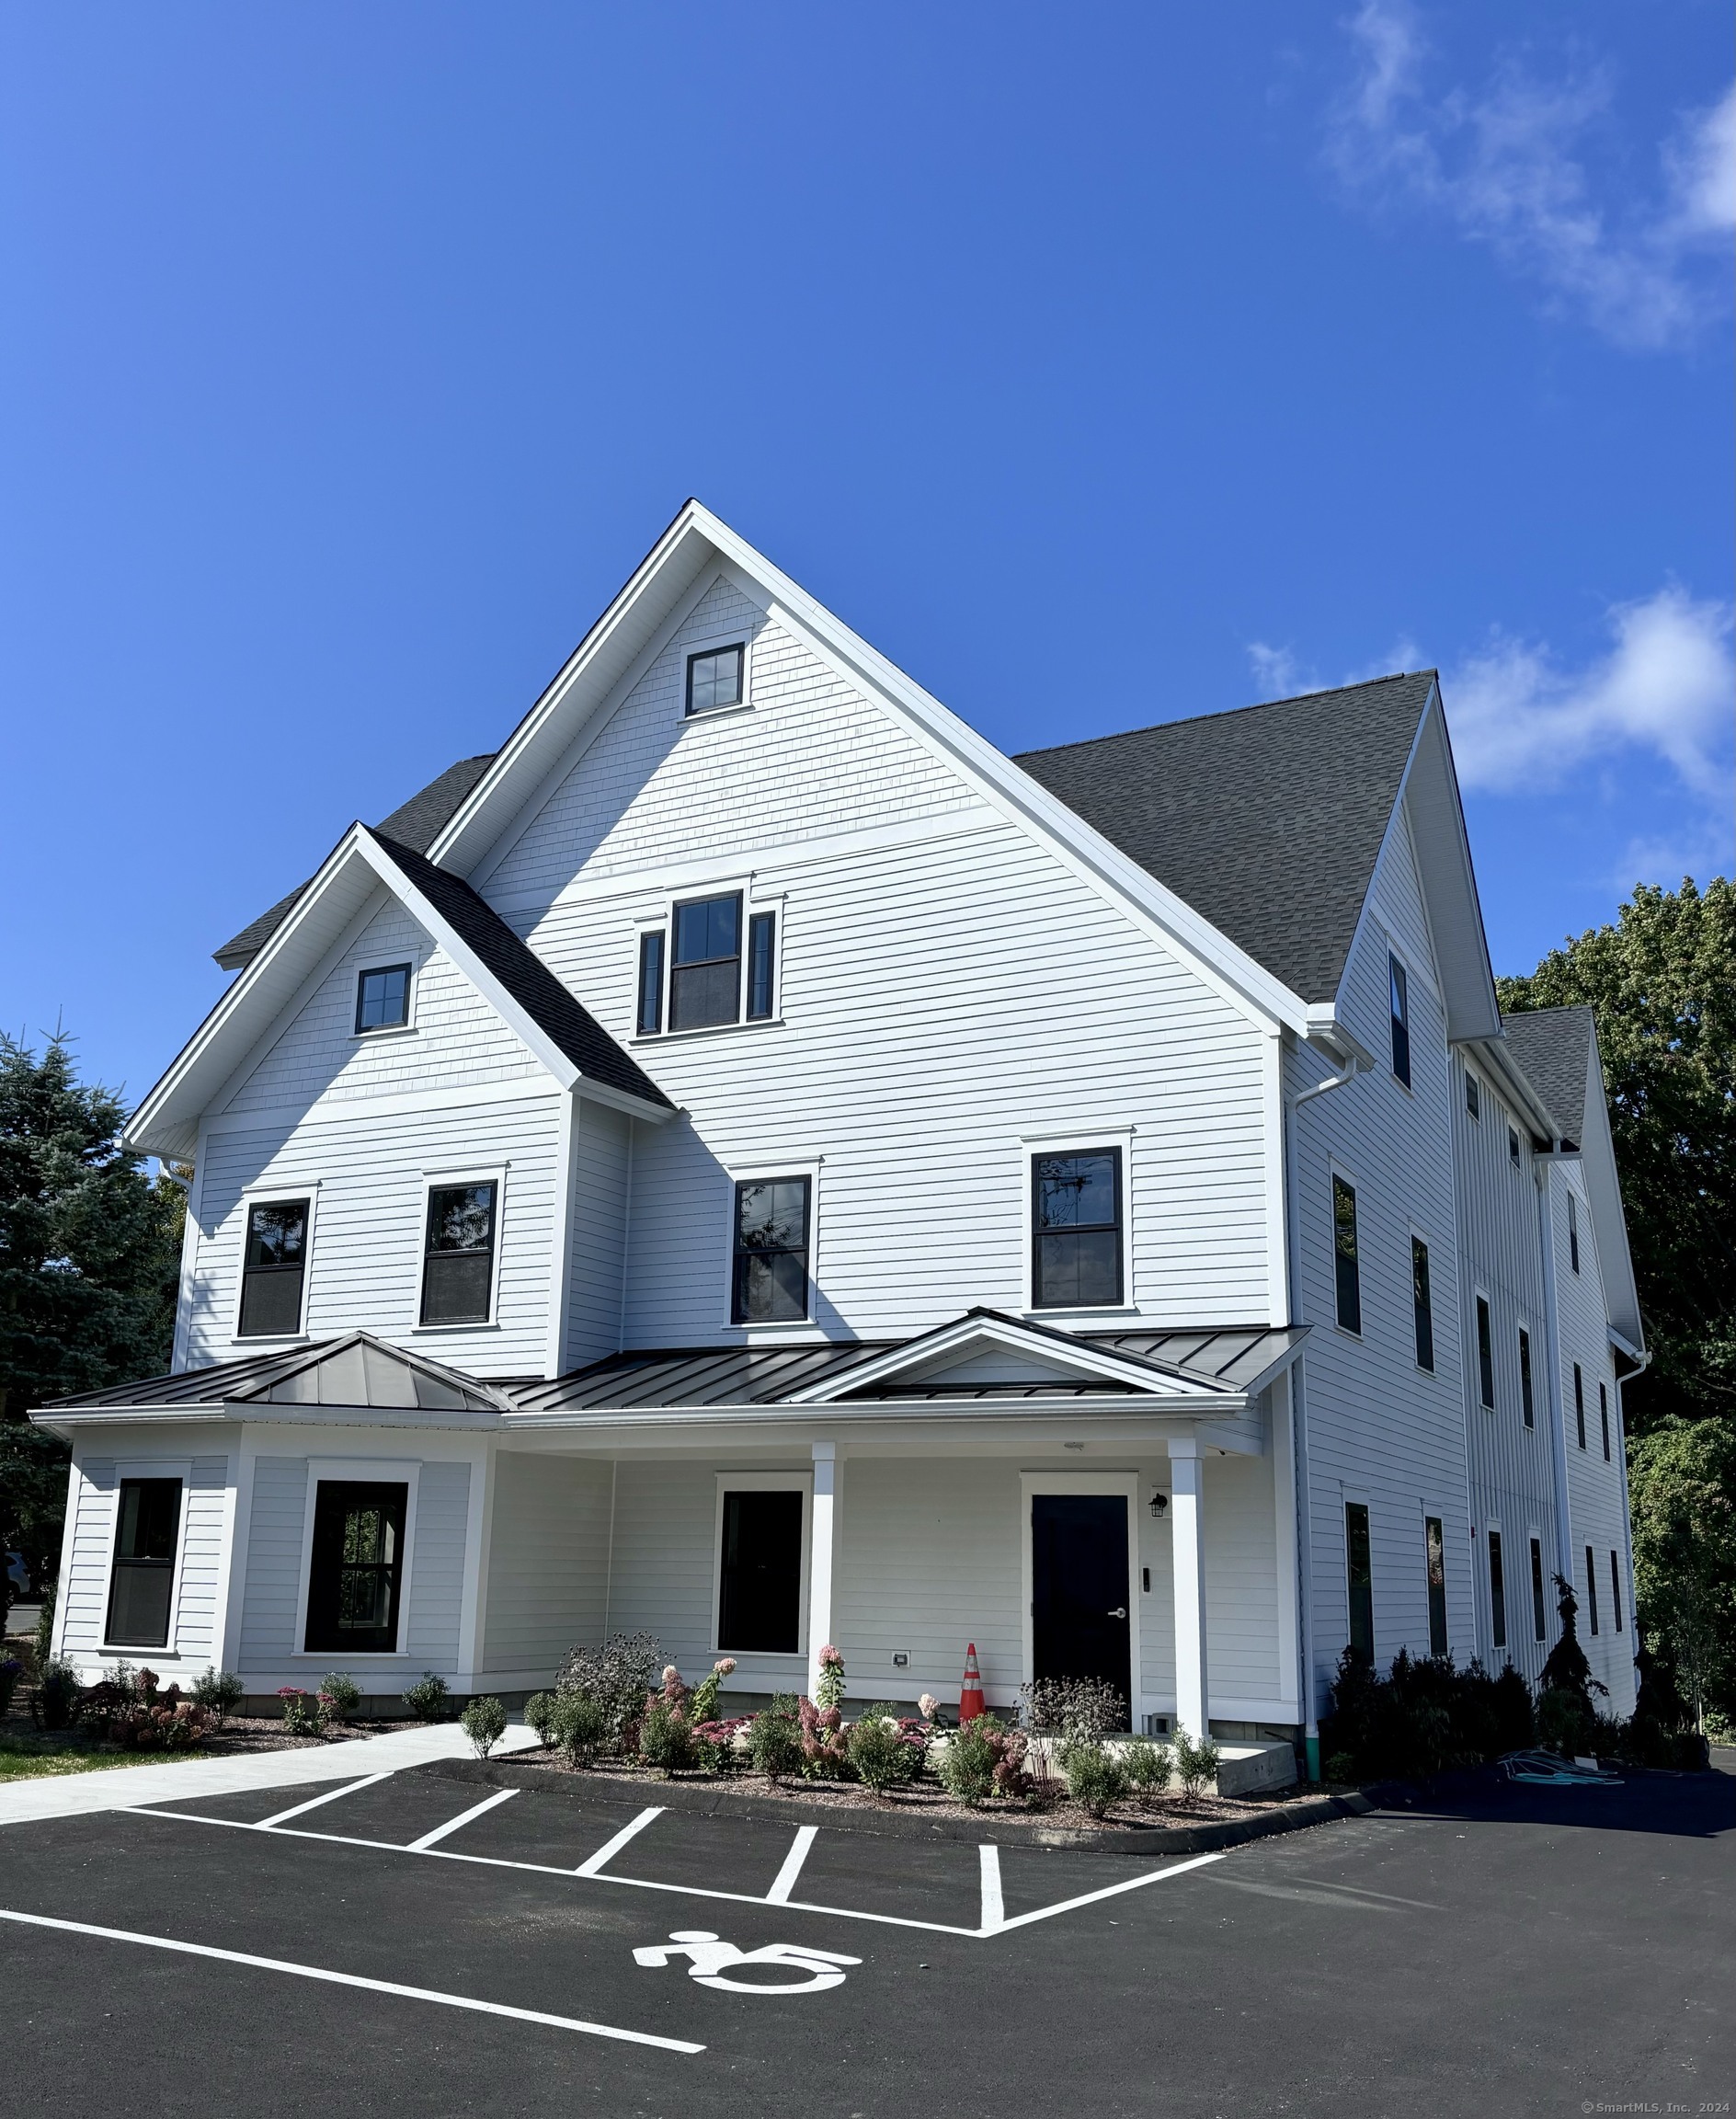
<point>1398,990</point>
<point>714,679</point>
<point>383,999</point>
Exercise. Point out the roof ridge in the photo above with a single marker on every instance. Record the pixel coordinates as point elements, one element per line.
<point>1227,712</point>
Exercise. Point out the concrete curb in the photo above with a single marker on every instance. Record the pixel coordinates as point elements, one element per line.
<point>603,1791</point>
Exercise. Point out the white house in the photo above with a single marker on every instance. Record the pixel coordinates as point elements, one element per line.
<point>748,1161</point>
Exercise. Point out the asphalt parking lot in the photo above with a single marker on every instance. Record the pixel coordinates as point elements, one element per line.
<point>423,1944</point>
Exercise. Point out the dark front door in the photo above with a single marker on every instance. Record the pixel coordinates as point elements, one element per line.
<point>1079,1587</point>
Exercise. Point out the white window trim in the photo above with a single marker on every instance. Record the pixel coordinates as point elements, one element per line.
<point>763,1169</point>
<point>1476,1117</point>
<point>1077,1140</point>
<point>765,1669</point>
<point>1396,956</point>
<point>1480,1293</point>
<point>403,1471</point>
<point>404,1029</point>
<point>493,1174</point>
<point>258,1194</point>
<point>180,1468</point>
<point>1127,1485</point>
<point>663,921</point>
<point>1491,1526</point>
<point>1521,1323</point>
<point>1359,1497</point>
<point>1533,1536</point>
<point>1417,1236</point>
<point>711,644</point>
<point>1426,1510</point>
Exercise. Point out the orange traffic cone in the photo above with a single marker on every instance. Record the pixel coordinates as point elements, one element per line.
<point>971,1702</point>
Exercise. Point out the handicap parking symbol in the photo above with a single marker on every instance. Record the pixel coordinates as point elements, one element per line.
<point>710,1960</point>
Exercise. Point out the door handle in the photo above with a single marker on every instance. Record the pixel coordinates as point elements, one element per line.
<point>1119,1612</point>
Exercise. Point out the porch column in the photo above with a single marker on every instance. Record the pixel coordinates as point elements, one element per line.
<point>819,1562</point>
<point>1187,1560</point>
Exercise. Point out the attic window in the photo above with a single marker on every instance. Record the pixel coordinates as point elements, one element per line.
<point>1573,1231</point>
<point>1399,992</point>
<point>1473,1095</point>
<point>713,678</point>
<point>383,999</point>
<point>1513,1146</point>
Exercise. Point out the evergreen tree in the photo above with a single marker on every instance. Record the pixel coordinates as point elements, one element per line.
<point>89,1265</point>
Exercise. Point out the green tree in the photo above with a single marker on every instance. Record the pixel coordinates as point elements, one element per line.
<point>1683,1485</point>
<point>1662,984</point>
<point>89,1262</point>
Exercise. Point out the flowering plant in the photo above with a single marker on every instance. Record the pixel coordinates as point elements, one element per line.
<point>716,1746</point>
<point>828,1686</point>
<point>931,1708</point>
<point>303,1711</point>
<point>705,1693</point>
<point>825,1748</point>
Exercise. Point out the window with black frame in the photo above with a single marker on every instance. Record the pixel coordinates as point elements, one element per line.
<point>141,1588</point>
<point>383,999</point>
<point>1075,1221</point>
<point>356,1567</point>
<point>770,1278</point>
<point>648,1017</point>
<point>1434,1554</point>
<point>1527,1402</point>
<point>713,678</point>
<point>705,963</point>
<point>759,1574</point>
<point>273,1269</point>
<point>1485,1355</point>
<point>1359,1579</point>
<point>1398,988</point>
<point>1497,1593</point>
<point>458,1263</point>
<point>1422,1303</point>
<point>1539,1625</point>
<point>1346,1265</point>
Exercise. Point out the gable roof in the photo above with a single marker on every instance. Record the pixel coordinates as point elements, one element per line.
<point>1268,820</point>
<point>1557,1051</point>
<point>571,1045</point>
<point>416,824</point>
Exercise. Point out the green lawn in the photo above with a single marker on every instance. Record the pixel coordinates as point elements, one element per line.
<point>27,1758</point>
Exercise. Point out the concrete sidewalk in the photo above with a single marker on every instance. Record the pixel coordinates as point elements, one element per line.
<point>126,1787</point>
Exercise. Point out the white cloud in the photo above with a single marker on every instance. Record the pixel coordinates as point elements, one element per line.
<point>1519,721</point>
<point>1275,671</point>
<point>1281,675</point>
<point>1506,168</point>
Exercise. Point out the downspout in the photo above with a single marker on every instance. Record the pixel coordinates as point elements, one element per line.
<point>1299,1434</point>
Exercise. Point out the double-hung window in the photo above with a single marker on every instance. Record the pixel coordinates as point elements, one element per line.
<point>1527,1404</point>
<point>1435,1556</point>
<point>1346,1267</point>
<point>770,1277</point>
<point>1484,1354</point>
<point>141,1587</point>
<point>356,1567</point>
<point>714,678</point>
<point>698,975</point>
<point>1422,1303</point>
<point>1398,989</point>
<point>1076,1208</point>
<point>383,999</point>
<point>458,1258</point>
<point>273,1269</point>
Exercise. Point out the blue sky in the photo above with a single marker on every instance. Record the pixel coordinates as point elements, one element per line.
<point>1102,365</point>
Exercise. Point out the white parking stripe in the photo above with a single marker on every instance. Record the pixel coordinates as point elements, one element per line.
<point>780,1892</point>
<point>994,1905</point>
<point>355,1979</point>
<point>1110,1891</point>
<point>610,1848</point>
<point>452,1825</point>
<point>331,1795</point>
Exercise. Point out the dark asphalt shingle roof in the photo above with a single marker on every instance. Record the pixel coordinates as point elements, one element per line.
<point>1267,819</point>
<point>416,823</point>
<point>525,976</point>
<point>1555,1052</point>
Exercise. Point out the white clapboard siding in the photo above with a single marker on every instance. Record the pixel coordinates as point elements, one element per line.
<point>436,1567</point>
<point>1596,1499</point>
<point>370,1170</point>
<point>664,1551</point>
<point>602,1166</point>
<point>1511,1467</point>
<point>199,1623</point>
<point>91,1501</point>
<point>654,787</point>
<point>548,1564</point>
<point>274,1566</point>
<point>1381,1430</point>
<point>93,1496</point>
<point>454,1040</point>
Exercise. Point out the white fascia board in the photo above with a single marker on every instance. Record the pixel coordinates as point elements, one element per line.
<point>986,1331</point>
<point>1066,1416</point>
<point>249,1413</point>
<point>592,673</point>
<point>1609,1221</point>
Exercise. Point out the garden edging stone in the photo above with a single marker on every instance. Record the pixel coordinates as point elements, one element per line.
<point>708,1800</point>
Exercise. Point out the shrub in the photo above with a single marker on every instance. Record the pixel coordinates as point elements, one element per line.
<point>1340,1767</point>
<point>303,1711</point>
<point>1081,1708</point>
<point>219,1691</point>
<point>582,1728</point>
<point>57,1692</point>
<point>429,1699</point>
<point>666,1737</point>
<point>706,1693</point>
<point>1565,1722</point>
<point>618,1674</point>
<point>540,1712</point>
<point>127,1709</point>
<point>1424,1716</point>
<point>825,1748</point>
<point>884,1751</point>
<point>1195,1764</point>
<point>983,1759</point>
<point>774,1739</point>
<point>1095,1778</point>
<point>1146,1766</point>
<point>342,1694</point>
<point>714,1747</point>
<point>11,1670</point>
<point>42,1644</point>
<point>484,1722</point>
